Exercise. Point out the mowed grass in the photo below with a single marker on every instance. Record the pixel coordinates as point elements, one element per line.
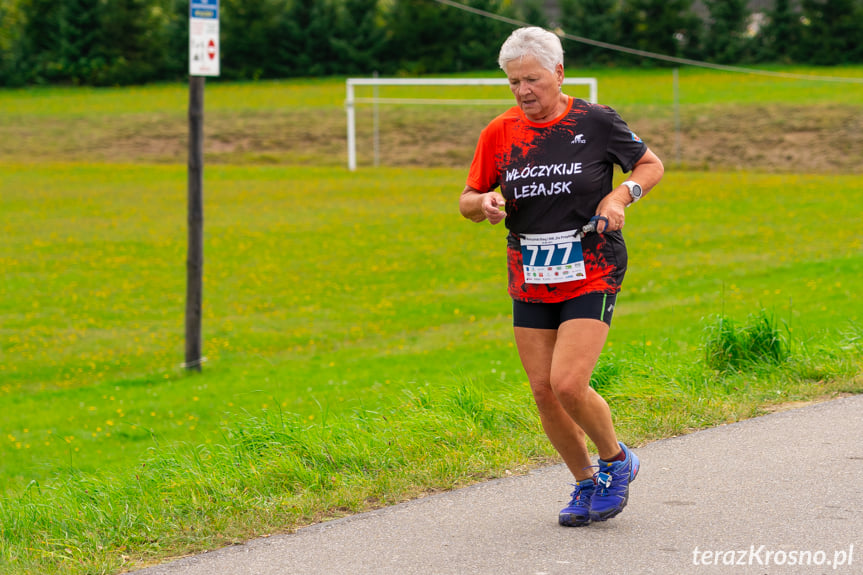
<point>340,308</point>
<point>326,290</point>
<point>357,329</point>
<point>617,87</point>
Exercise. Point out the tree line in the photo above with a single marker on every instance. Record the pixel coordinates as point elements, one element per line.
<point>121,42</point>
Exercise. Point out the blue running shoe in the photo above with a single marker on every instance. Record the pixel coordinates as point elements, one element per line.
<point>577,513</point>
<point>612,486</point>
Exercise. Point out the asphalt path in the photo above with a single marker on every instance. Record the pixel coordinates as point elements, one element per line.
<point>781,493</point>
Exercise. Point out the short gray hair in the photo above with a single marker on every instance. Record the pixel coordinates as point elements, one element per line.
<point>533,41</point>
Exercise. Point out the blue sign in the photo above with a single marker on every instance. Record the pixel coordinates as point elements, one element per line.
<point>204,9</point>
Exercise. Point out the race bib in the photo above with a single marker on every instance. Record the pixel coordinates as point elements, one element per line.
<point>552,258</point>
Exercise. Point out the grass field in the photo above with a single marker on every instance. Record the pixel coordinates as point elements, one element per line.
<point>357,329</point>
<point>727,121</point>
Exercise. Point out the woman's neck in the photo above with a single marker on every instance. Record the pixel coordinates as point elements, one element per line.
<point>559,108</point>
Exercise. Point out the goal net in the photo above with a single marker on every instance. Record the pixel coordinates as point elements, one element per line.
<point>427,92</point>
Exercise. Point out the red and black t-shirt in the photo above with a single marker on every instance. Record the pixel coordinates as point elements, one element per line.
<point>553,177</point>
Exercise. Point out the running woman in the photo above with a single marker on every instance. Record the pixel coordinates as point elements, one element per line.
<point>545,168</point>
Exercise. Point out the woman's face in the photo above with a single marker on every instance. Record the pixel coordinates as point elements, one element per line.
<point>536,89</point>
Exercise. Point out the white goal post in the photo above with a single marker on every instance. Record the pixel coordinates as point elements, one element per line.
<point>351,100</point>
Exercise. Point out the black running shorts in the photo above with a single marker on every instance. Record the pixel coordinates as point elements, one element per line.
<point>599,306</point>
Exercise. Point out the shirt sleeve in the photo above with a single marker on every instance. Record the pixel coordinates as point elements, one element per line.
<point>484,175</point>
<point>625,148</point>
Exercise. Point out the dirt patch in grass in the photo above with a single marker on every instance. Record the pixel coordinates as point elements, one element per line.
<point>818,139</point>
<point>774,139</point>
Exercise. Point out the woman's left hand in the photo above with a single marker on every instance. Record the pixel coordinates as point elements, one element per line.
<point>613,209</point>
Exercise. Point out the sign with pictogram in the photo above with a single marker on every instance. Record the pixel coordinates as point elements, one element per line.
<point>204,38</point>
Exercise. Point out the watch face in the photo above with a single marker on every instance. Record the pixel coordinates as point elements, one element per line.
<point>636,191</point>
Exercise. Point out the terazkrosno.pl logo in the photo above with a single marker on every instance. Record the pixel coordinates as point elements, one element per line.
<point>762,556</point>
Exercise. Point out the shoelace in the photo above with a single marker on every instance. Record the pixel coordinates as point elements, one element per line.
<point>604,480</point>
<point>576,495</point>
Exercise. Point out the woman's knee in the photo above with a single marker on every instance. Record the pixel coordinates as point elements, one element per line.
<point>571,390</point>
<point>543,394</point>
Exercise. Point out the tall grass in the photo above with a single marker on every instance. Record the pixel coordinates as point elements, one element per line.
<point>267,473</point>
<point>759,341</point>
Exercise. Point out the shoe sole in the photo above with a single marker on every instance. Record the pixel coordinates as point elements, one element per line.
<point>572,520</point>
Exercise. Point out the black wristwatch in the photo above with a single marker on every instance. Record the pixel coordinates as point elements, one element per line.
<point>635,190</point>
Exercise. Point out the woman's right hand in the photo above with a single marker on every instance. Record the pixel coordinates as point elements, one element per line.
<point>493,206</point>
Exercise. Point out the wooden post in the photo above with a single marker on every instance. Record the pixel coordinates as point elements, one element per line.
<point>195,256</point>
<point>677,139</point>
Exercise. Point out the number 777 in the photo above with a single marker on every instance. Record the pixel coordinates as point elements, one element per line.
<point>550,249</point>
